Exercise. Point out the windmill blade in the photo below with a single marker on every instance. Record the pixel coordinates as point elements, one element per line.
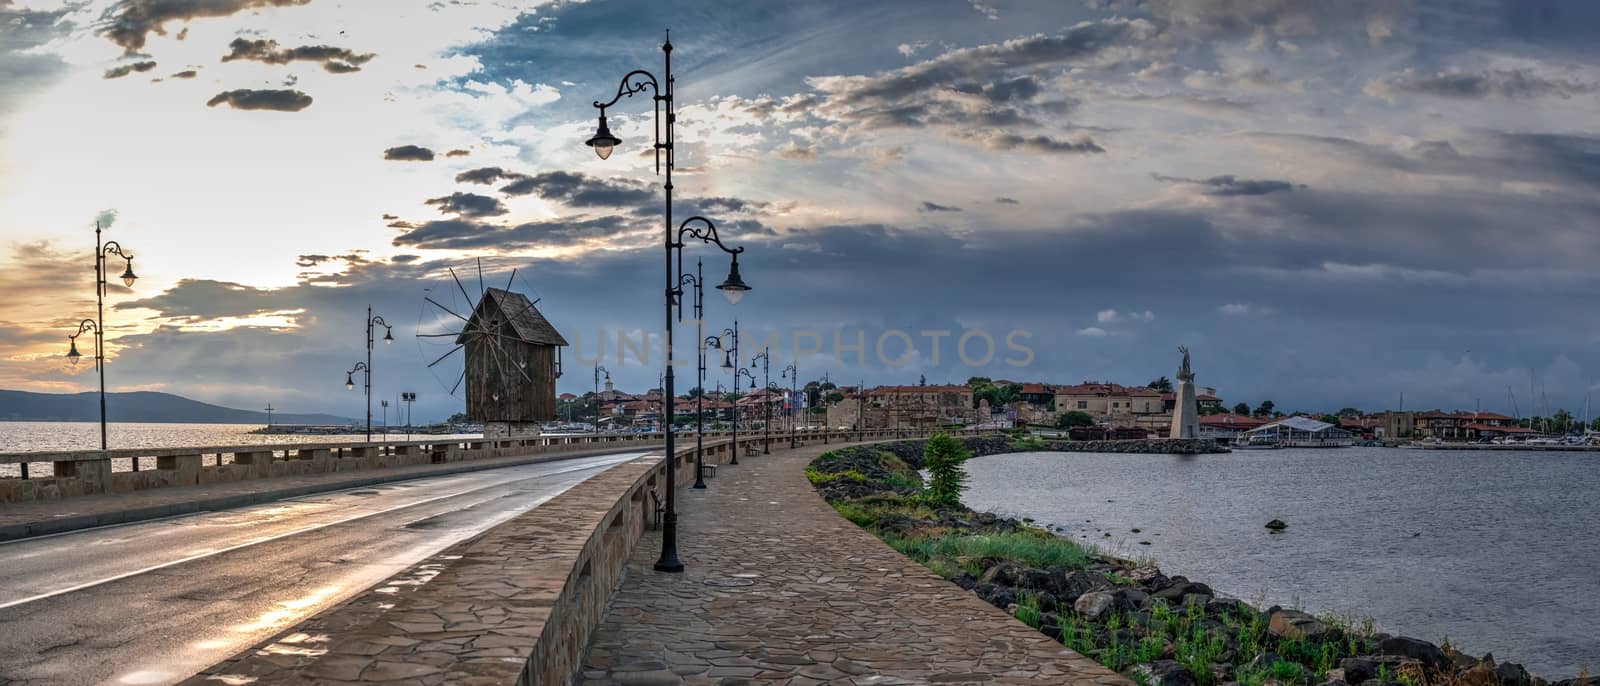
<point>437,335</point>
<point>509,279</point>
<point>441,357</point>
<point>463,288</point>
<point>446,309</point>
<point>459,379</point>
<point>480,279</point>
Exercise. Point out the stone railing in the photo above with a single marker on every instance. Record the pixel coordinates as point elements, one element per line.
<point>69,474</point>
<point>55,475</point>
<point>516,605</point>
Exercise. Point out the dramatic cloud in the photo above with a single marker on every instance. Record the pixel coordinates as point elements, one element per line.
<point>131,21</point>
<point>1002,200</point>
<point>466,234</point>
<point>469,205</point>
<point>458,153</point>
<point>126,69</point>
<point>576,189</point>
<point>409,153</point>
<point>1228,184</point>
<point>486,175</point>
<point>1507,84</point>
<point>1041,144</point>
<point>933,207</point>
<point>185,74</point>
<point>983,93</point>
<point>247,99</point>
<point>336,60</point>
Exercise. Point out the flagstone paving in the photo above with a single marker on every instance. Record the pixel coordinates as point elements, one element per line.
<point>780,589</point>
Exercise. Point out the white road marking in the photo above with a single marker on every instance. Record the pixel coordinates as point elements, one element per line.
<point>265,539</point>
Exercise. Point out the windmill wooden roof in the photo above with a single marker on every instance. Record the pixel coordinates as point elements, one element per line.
<point>525,319</point>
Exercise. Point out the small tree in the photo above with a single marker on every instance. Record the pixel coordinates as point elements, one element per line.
<point>1266,408</point>
<point>1242,408</point>
<point>943,456</point>
<point>1162,384</point>
<point>1068,420</point>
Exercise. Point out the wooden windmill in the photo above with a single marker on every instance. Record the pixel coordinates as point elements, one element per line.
<point>513,357</point>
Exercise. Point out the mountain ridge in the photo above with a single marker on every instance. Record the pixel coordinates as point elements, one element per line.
<point>139,406</point>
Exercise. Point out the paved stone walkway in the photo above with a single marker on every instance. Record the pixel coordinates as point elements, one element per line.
<point>780,589</point>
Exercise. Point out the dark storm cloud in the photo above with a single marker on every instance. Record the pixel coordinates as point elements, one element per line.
<point>467,234</point>
<point>126,69</point>
<point>1495,158</point>
<point>336,60</point>
<point>1002,200</point>
<point>1229,184</point>
<point>197,300</point>
<point>185,74</point>
<point>130,22</point>
<point>468,205</point>
<point>458,152</point>
<point>248,99</point>
<point>486,175</point>
<point>576,189</point>
<point>983,94</point>
<point>1506,84</point>
<point>1040,144</point>
<point>934,207</point>
<point>409,153</point>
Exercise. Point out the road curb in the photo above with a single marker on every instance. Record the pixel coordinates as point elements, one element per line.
<point>14,532</point>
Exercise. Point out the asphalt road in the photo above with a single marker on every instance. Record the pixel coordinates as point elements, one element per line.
<point>155,602</point>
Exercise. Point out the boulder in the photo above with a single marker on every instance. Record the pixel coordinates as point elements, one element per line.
<point>1277,525</point>
<point>1294,624</point>
<point>1001,597</point>
<point>1427,653</point>
<point>1067,587</point>
<point>1512,674</point>
<point>1130,599</point>
<point>1094,603</point>
<point>1163,673</point>
<point>1359,670</point>
<point>1177,587</point>
<point>1047,601</point>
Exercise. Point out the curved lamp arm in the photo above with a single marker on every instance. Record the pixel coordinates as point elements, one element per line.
<point>631,86</point>
<point>702,228</point>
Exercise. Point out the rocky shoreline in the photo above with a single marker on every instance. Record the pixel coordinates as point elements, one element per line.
<point>1131,617</point>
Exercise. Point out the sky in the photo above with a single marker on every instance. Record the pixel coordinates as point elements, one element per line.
<point>1329,204</point>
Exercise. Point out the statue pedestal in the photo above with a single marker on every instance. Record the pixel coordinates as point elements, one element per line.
<point>1185,412</point>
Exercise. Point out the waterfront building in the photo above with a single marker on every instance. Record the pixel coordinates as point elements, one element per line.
<point>1303,432</point>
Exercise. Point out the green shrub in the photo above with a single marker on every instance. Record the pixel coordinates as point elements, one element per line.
<point>1022,548</point>
<point>943,456</point>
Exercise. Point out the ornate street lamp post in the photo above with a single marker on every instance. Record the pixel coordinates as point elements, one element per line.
<point>730,362</point>
<point>766,405</point>
<point>349,382</point>
<point>102,249</point>
<point>740,373</point>
<point>733,288</point>
<point>596,398</point>
<point>794,374</point>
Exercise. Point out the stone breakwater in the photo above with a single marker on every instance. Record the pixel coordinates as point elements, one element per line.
<point>1129,616</point>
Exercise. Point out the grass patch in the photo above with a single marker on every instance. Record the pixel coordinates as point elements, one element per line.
<point>1025,548</point>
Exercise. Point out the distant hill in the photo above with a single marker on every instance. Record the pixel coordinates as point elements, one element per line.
<point>140,406</point>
